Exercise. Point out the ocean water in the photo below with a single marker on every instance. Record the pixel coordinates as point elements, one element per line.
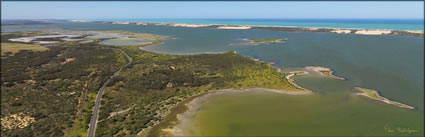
<point>393,65</point>
<point>386,24</point>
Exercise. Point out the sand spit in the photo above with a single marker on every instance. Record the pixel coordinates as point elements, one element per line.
<point>373,94</point>
<point>373,32</point>
<point>189,25</point>
<point>292,81</point>
<point>234,27</point>
<point>324,71</point>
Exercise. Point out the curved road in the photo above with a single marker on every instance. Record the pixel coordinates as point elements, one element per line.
<point>93,120</point>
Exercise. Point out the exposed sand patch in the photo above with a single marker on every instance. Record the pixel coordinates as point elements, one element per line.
<point>14,121</point>
<point>68,60</point>
<point>324,71</point>
<point>234,27</point>
<point>112,114</point>
<point>86,41</point>
<point>341,31</point>
<point>373,32</point>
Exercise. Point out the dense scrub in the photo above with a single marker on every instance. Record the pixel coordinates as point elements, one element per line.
<point>53,86</point>
<point>155,82</point>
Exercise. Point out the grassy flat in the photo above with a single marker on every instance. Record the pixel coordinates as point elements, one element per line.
<point>16,47</point>
<point>373,94</point>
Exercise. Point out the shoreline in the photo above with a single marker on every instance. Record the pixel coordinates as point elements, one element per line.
<point>193,103</point>
<point>356,31</point>
<point>292,81</point>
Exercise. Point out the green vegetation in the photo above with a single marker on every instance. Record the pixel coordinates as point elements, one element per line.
<point>156,82</point>
<point>327,73</point>
<point>274,40</point>
<point>12,48</point>
<point>58,86</point>
<point>371,93</point>
<point>261,76</point>
<point>80,126</point>
<point>56,94</point>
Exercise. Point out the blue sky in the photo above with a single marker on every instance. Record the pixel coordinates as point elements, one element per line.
<point>123,10</point>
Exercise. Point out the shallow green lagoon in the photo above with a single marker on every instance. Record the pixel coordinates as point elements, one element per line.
<point>262,113</point>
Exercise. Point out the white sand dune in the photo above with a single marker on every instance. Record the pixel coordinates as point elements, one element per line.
<point>190,25</point>
<point>234,27</point>
<point>341,31</point>
<point>373,32</point>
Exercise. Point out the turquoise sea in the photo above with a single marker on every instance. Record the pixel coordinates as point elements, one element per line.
<point>387,24</point>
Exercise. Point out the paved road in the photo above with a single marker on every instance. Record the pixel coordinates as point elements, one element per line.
<point>93,120</point>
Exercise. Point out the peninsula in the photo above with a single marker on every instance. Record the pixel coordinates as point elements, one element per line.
<point>141,92</point>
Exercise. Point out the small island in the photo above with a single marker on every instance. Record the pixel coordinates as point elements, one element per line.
<point>272,40</point>
<point>324,71</point>
<point>373,94</point>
